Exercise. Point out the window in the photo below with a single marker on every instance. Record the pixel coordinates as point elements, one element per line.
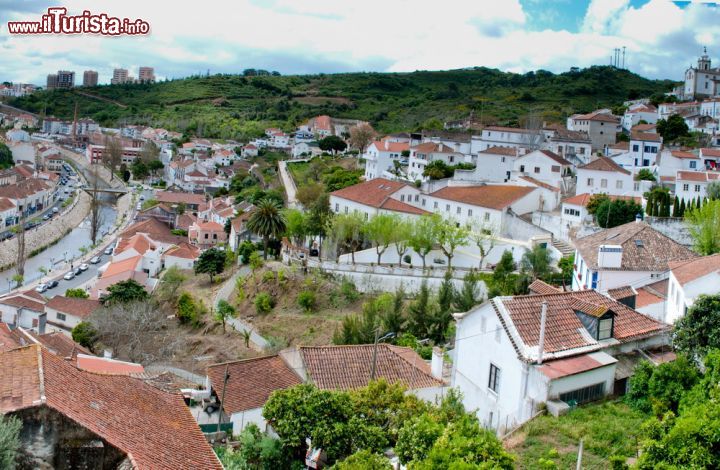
<point>435,205</point>
<point>367,216</point>
<point>337,207</point>
<point>494,379</point>
<point>487,216</point>
<point>469,212</point>
<point>605,327</point>
<point>214,236</point>
<point>402,198</point>
<point>458,209</point>
<point>452,159</point>
<point>693,164</point>
<point>502,159</point>
<point>697,188</point>
<point>537,169</point>
<point>417,197</point>
<point>447,207</point>
<point>522,168</point>
<point>603,183</point>
<point>206,236</point>
<point>555,169</point>
<point>590,182</point>
<point>636,148</point>
<point>618,184</point>
<point>584,395</point>
<point>60,316</point>
<point>346,209</point>
<point>686,187</point>
<point>423,202</point>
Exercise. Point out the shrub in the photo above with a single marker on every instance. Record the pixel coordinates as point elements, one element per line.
<point>307,300</point>
<point>187,309</point>
<point>263,303</point>
<point>84,334</point>
<point>349,291</point>
<point>268,276</point>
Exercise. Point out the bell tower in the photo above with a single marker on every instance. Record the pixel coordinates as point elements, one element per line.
<point>704,61</point>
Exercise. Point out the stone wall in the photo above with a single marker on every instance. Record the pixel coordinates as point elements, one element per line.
<point>49,232</point>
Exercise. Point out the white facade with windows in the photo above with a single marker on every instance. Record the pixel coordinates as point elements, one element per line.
<point>690,185</point>
<point>615,183</point>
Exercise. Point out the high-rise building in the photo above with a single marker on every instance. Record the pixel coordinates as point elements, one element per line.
<point>146,75</point>
<point>119,77</point>
<point>52,81</point>
<point>65,79</point>
<point>90,78</point>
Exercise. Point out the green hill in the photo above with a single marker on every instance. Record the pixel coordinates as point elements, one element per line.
<point>233,106</point>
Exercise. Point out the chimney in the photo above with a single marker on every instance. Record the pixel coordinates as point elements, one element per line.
<point>436,364</point>
<point>541,343</point>
<point>107,354</point>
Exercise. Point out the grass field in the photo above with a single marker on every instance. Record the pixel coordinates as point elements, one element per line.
<point>608,429</point>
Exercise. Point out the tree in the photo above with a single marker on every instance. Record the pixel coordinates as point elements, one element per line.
<point>423,236</point>
<point>364,460</point>
<point>211,262</point>
<point>483,235</point>
<point>450,236</point>
<point>112,154</point>
<point>437,169</point>
<point>698,331</point>
<point>332,143</point>
<point>349,230</point>
<point>267,221</point>
<point>84,334</point>
<point>124,292</point>
<point>296,226</point>
<point>319,219</point>
<point>595,201</point>
<point>535,263</point>
<point>645,175</point>
<point>154,166</point>
<point>77,293</point>
<point>9,440</point>
<point>658,202</point>
<point>713,190</point>
<point>704,227</point>
<point>139,170</point>
<point>421,312</point>
<point>149,152</point>
<point>257,451</point>
<point>380,231</point>
<point>6,158</point>
<point>361,136</point>
<point>468,296</point>
<point>442,317</point>
<point>401,236</point>
<point>618,212</point>
<point>307,194</point>
<point>223,312</point>
<point>502,274</point>
<point>672,128</point>
<point>676,207</point>
<point>96,218</point>
<point>187,309</point>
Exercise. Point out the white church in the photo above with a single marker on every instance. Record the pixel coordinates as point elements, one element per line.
<point>702,81</point>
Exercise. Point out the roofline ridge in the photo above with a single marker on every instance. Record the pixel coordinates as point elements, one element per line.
<point>249,359</point>
<point>390,347</point>
<point>41,374</point>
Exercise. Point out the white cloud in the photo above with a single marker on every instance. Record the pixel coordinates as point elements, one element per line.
<point>340,35</point>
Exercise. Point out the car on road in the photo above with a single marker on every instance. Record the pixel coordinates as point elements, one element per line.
<point>84,267</point>
<point>142,197</point>
<point>41,288</point>
<point>95,260</point>
<point>108,250</point>
<point>46,217</point>
<point>52,284</point>
<point>69,276</point>
<point>77,271</point>
<point>55,210</point>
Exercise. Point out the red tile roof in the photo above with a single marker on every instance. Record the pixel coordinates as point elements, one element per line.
<point>153,428</point>
<point>554,156</point>
<point>6,204</point>
<point>541,287</point>
<point>584,198</point>
<point>7,339</point>
<point>348,367</point>
<point>128,265</point>
<point>183,250</point>
<point>597,116</point>
<point>707,152</point>
<point>491,196</point>
<point>59,344</point>
<point>155,229</point>
<point>604,164</point>
<point>571,366</point>
<point>399,206</point>
<point>387,146</point>
<point>684,155</point>
<point>540,184</point>
<point>646,137</point>
<point>371,193</point>
<point>251,381</point>
<point>507,151</point>
<point>623,292</point>
<point>564,333</point>
<point>656,252</point>
<point>25,300</point>
<point>176,198</point>
<point>651,294</point>
<point>432,147</point>
<point>689,270</point>
<point>81,308</point>
<point>101,365</point>
<point>698,176</point>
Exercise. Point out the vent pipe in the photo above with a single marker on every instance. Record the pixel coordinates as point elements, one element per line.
<point>543,319</point>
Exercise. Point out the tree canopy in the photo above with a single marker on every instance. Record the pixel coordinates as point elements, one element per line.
<point>211,262</point>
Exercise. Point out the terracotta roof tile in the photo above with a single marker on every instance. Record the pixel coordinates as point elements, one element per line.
<point>684,155</point>
<point>708,152</point>
<point>155,229</point>
<point>604,164</point>
<point>507,151</point>
<point>59,344</point>
<point>371,193</point>
<point>176,198</point>
<point>646,137</point>
<point>622,292</point>
<point>698,176</point>
<point>689,270</point>
<point>348,367</point>
<point>541,287</point>
<point>398,206</point>
<point>251,381</point>
<point>564,332</point>
<point>651,294</point>
<point>387,146</point>
<point>81,308</point>
<point>432,147</point>
<point>656,251</point>
<point>540,184</point>
<point>554,156</point>
<point>491,196</point>
<point>101,365</point>
<point>183,250</point>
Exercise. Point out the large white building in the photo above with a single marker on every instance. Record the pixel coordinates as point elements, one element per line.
<point>702,81</point>
<point>423,154</point>
<point>381,157</point>
<point>688,280</point>
<point>603,175</point>
<point>515,354</point>
<point>689,185</point>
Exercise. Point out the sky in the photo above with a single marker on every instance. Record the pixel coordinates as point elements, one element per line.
<point>662,37</point>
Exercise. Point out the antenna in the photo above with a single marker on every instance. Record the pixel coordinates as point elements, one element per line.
<point>623,59</point>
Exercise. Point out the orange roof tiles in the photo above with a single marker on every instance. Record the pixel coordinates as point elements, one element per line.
<point>387,146</point>
<point>507,151</point>
<point>491,196</point>
<point>622,292</point>
<point>540,184</point>
<point>604,164</point>
<point>707,152</point>
<point>689,270</point>
<point>184,250</point>
<point>101,365</point>
<point>371,193</point>
<point>251,381</point>
<point>646,137</point>
<point>684,155</point>
<point>81,308</point>
<point>123,266</point>
<point>570,366</point>
<point>698,176</point>
<point>432,147</point>
<point>541,287</point>
<point>153,428</point>
<point>399,206</point>
<point>348,367</point>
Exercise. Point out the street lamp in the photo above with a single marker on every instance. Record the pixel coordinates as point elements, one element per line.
<point>375,347</point>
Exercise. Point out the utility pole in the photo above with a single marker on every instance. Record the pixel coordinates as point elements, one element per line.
<point>623,59</point>
<point>579,458</point>
<point>374,362</point>
<point>222,400</point>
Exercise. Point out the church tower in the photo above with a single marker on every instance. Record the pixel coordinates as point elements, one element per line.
<point>704,61</point>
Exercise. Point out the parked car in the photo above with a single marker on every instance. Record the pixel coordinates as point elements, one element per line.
<point>108,250</point>
<point>46,217</point>
<point>95,260</point>
<point>69,276</point>
<point>41,288</point>
<point>77,271</point>
<point>142,197</point>
<point>52,284</point>
<point>55,210</point>
<point>84,267</point>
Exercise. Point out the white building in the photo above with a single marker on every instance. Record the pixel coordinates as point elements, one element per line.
<point>711,108</point>
<point>497,136</point>
<point>603,175</point>
<point>690,185</point>
<point>710,157</point>
<point>544,166</point>
<point>377,196</point>
<point>65,313</point>
<point>644,149</point>
<point>702,81</point>
<point>672,161</point>
<point>24,310</point>
<point>600,125</point>
<point>637,113</point>
<point>494,164</point>
<point>574,211</point>
<point>689,279</point>
<point>633,254</point>
<point>380,158</point>
<point>514,355</point>
<point>423,154</point>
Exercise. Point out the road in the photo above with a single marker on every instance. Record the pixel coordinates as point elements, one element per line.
<point>288,183</point>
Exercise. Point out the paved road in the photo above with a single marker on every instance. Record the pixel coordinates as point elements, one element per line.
<point>224,293</point>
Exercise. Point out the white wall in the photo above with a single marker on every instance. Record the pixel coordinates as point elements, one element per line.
<point>243,418</point>
<point>608,182</point>
<point>540,167</point>
<point>682,297</point>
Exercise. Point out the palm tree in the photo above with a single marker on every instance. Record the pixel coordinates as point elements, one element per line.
<point>267,221</point>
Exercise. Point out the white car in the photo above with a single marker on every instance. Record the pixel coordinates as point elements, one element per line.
<point>69,276</point>
<point>108,250</point>
<point>41,288</point>
<point>95,260</point>
<point>84,267</point>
